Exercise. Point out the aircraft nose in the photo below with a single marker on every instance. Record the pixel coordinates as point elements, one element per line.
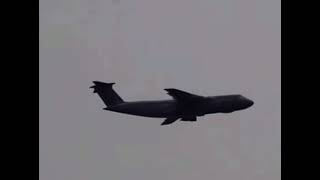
<point>250,102</point>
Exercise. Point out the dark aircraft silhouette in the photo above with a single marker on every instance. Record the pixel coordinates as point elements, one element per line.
<point>184,105</point>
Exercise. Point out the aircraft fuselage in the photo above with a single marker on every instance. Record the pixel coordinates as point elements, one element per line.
<point>172,108</point>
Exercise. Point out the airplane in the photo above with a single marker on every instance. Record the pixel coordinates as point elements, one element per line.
<point>183,105</point>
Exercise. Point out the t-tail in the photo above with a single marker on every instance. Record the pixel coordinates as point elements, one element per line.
<point>106,93</point>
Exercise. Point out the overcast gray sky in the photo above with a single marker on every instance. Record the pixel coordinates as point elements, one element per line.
<point>207,47</point>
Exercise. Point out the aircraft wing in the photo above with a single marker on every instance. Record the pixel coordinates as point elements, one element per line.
<point>182,95</point>
<point>169,120</point>
<point>189,118</point>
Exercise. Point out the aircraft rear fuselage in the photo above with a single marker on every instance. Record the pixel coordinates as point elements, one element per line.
<point>165,108</point>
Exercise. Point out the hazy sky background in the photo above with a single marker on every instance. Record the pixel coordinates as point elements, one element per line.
<point>207,47</point>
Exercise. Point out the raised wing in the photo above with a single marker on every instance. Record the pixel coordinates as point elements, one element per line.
<point>182,95</point>
<point>169,120</point>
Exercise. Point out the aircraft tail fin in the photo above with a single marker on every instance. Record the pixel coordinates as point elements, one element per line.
<point>106,93</point>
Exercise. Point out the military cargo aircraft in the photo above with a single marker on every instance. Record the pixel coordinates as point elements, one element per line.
<point>183,105</point>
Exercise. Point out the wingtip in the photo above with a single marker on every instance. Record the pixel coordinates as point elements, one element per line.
<point>165,124</point>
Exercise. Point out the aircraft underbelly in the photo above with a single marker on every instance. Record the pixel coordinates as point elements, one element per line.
<point>148,109</point>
